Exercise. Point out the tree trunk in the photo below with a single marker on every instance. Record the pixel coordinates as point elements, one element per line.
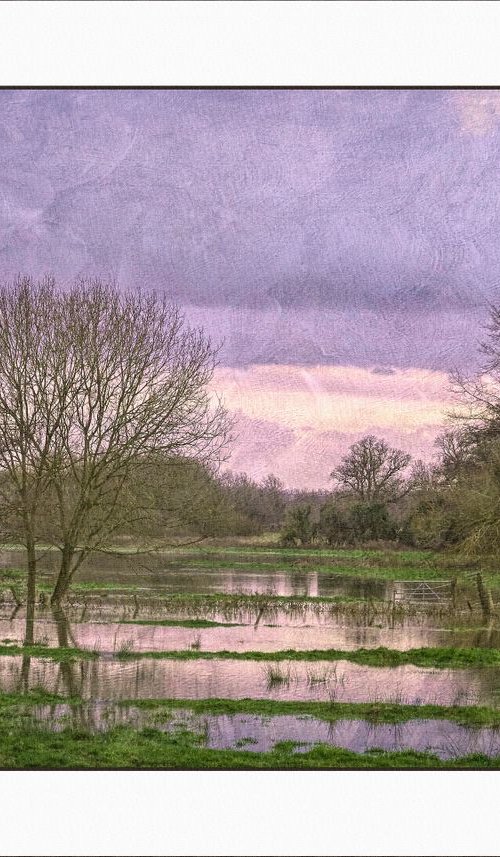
<point>29,633</point>
<point>63,578</point>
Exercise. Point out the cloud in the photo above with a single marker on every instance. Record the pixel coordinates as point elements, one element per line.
<point>298,422</point>
<point>439,341</point>
<point>304,227</point>
<point>478,111</point>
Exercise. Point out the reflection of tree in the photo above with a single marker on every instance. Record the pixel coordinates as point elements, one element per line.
<point>25,674</point>
<point>488,637</point>
<point>72,675</point>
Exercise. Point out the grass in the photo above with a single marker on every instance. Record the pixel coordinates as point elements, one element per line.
<point>276,675</point>
<point>376,712</point>
<point>24,745</point>
<point>191,602</point>
<point>381,657</point>
<point>53,654</point>
<point>441,658</point>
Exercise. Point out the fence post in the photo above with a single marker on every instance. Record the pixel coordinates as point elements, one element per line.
<point>453,593</point>
<point>485,598</point>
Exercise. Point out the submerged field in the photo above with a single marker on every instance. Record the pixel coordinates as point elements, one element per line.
<point>249,656</point>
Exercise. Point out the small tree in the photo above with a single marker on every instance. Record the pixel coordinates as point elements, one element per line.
<point>372,471</point>
<point>298,528</point>
<point>334,525</point>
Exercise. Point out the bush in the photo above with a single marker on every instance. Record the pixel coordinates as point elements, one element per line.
<point>298,528</point>
<point>371,521</point>
<point>335,526</point>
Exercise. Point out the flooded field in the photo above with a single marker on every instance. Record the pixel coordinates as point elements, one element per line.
<point>117,608</point>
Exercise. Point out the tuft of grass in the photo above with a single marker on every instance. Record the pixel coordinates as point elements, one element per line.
<point>276,675</point>
<point>324,675</point>
<point>126,650</point>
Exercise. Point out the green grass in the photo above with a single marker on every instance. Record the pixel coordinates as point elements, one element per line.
<point>375,712</point>
<point>35,696</point>
<point>53,654</point>
<point>380,657</point>
<point>441,658</point>
<point>28,746</point>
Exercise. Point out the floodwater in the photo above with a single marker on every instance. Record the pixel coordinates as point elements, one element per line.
<point>274,575</point>
<point>109,678</point>
<point>260,733</point>
<point>108,635</point>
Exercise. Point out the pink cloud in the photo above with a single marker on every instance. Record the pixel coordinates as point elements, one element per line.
<point>297,421</point>
<point>479,111</point>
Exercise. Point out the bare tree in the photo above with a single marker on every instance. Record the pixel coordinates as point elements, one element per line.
<point>457,451</point>
<point>32,402</point>
<point>372,471</point>
<point>478,395</point>
<point>115,378</point>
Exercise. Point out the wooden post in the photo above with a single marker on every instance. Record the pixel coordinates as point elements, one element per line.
<point>453,592</point>
<point>485,598</point>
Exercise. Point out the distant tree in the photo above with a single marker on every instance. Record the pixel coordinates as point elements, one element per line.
<point>335,525</point>
<point>244,497</point>
<point>370,521</point>
<point>298,527</point>
<point>457,449</point>
<point>372,471</point>
<point>273,497</point>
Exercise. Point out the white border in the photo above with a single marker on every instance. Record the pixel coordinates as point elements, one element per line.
<point>250,813</point>
<point>218,42</point>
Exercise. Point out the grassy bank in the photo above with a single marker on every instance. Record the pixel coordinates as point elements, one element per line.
<point>375,712</point>
<point>54,654</point>
<point>441,658</point>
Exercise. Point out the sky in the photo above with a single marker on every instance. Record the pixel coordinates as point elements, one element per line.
<point>340,246</point>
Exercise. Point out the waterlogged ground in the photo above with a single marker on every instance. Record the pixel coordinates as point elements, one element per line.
<point>260,734</point>
<point>204,602</point>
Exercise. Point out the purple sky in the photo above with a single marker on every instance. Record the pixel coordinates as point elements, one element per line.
<point>324,228</point>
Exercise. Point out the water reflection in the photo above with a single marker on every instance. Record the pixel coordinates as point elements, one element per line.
<point>167,575</point>
<point>250,632</point>
<point>112,679</point>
